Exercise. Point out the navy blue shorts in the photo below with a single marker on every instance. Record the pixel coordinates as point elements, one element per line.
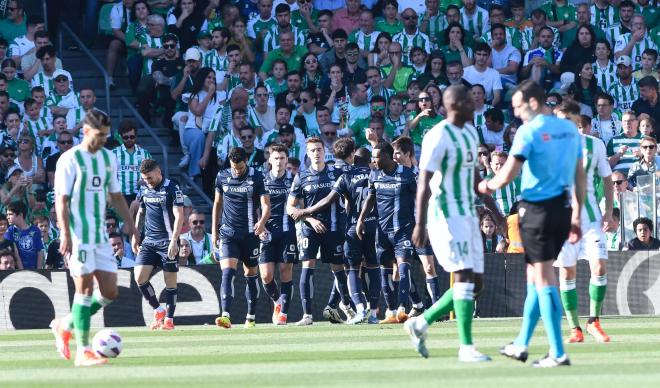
<point>244,247</point>
<point>393,244</point>
<point>426,250</point>
<point>281,248</point>
<point>360,251</point>
<point>330,244</point>
<point>155,254</point>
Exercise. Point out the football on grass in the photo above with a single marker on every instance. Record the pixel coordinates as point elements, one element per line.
<point>107,343</point>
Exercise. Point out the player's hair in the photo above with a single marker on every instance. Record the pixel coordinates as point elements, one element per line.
<point>343,148</point>
<point>530,89</point>
<point>96,118</point>
<point>148,165</point>
<point>585,120</point>
<point>127,125</point>
<point>362,157</point>
<point>385,148</point>
<point>277,147</point>
<point>17,207</point>
<point>640,220</point>
<point>313,139</point>
<point>294,161</point>
<point>237,155</point>
<point>405,144</point>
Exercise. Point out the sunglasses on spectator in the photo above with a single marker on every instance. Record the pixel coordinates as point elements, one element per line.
<point>12,8</point>
<point>247,137</point>
<point>198,222</point>
<point>61,79</point>
<point>394,52</point>
<point>352,53</point>
<point>648,147</point>
<point>169,46</point>
<point>377,108</point>
<point>25,141</point>
<point>310,61</point>
<point>10,155</point>
<point>618,182</point>
<point>303,1</point>
<point>304,100</point>
<point>410,17</point>
<point>110,225</point>
<point>64,142</point>
<point>261,94</point>
<point>128,137</point>
<point>424,99</point>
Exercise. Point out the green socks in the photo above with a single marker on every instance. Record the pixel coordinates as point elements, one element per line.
<point>97,303</point>
<point>597,290</point>
<point>80,311</point>
<point>463,308</point>
<point>440,308</point>
<point>569,299</point>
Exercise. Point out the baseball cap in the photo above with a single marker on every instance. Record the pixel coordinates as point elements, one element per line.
<point>13,169</point>
<point>192,54</point>
<point>7,144</point>
<point>60,72</point>
<point>624,60</point>
<point>286,128</point>
<point>203,34</point>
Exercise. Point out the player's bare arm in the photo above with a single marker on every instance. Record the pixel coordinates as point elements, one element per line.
<point>489,202</point>
<point>419,235</point>
<point>319,206</point>
<point>216,217</point>
<point>366,209</point>
<point>579,193</point>
<point>506,175</point>
<point>292,205</point>
<point>173,248</point>
<point>63,212</point>
<point>608,191</point>
<point>139,221</point>
<point>260,226</point>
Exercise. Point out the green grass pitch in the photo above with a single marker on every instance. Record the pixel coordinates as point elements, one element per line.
<point>334,355</point>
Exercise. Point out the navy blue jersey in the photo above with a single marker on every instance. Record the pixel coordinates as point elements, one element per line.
<point>158,204</point>
<point>312,186</point>
<point>354,185</point>
<point>279,189</point>
<point>241,199</point>
<point>395,197</point>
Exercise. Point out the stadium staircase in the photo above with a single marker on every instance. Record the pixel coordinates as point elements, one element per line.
<point>86,74</point>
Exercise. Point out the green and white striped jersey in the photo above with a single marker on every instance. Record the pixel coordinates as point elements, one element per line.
<point>217,62</point>
<point>398,125</point>
<point>47,82</point>
<point>256,24</point>
<point>528,39</point>
<point>477,23</point>
<point>596,167</point>
<point>604,18</point>
<point>87,179</point>
<point>615,144</point>
<point>383,92</point>
<point>365,41</point>
<point>605,76</point>
<point>436,25</point>
<point>480,118</point>
<point>506,196</point>
<point>407,42</point>
<point>615,32</point>
<point>450,153</point>
<point>70,101</point>
<point>512,36</point>
<point>638,48</point>
<point>151,42</point>
<point>624,95</point>
<point>128,167</point>
<point>272,38</point>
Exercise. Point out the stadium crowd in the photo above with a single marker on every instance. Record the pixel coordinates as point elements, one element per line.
<point>251,74</point>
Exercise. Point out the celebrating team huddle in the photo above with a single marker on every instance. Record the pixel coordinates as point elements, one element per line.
<point>367,215</point>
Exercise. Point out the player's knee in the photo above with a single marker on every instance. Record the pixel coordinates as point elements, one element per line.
<point>251,271</point>
<point>266,277</point>
<point>429,269</point>
<point>111,293</point>
<point>598,268</point>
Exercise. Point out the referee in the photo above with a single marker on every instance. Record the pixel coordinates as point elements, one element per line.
<point>549,151</point>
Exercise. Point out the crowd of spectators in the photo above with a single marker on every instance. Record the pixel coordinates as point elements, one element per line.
<point>223,74</point>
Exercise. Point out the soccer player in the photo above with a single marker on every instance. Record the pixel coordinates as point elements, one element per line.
<point>239,194</point>
<point>279,242</point>
<point>352,186</point>
<point>549,152</point>
<point>85,180</point>
<point>593,245</point>
<point>322,231</point>
<point>448,171</point>
<point>161,211</point>
<point>392,189</point>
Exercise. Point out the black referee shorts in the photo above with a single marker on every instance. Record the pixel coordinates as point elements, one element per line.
<point>544,227</point>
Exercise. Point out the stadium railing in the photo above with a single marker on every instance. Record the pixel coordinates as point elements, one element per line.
<point>64,28</point>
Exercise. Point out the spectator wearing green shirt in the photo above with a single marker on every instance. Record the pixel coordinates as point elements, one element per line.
<point>15,22</point>
<point>17,88</point>
<point>561,14</point>
<point>390,23</point>
<point>422,120</point>
<point>287,52</point>
<point>583,17</point>
<point>377,111</point>
<point>455,49</point>
<point>397,75</point>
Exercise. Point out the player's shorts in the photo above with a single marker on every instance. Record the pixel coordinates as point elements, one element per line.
<point>329,243</point>
<point>244,247</point>
<point>87,258</point>
<point>394,244</point>
<point>544,227</point>
<point>592,246</point>
<point>457,242</point>
<point>281,248</point>
<point>358,251</point>
<point>155,254</point>
<point>426,250</point>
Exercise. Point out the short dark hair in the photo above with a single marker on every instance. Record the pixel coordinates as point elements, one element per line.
<point>627,4</point>
<point>233,47</point>
<point>237,155</point>
<point>339,33</point>
<point>325,12</point>
<point>482,46</point>
<point>648,82</point>
<point>41,34</point>
<point>652,52</point>
<point>246,128</point>
<point>33,20</point>
<point>499,26</point>
<point>385,148</point>
<point>362,157</point>
<point>530,89</point>
<point>640,220</point>
<point>50,50</point>
<point>343,148</point>
<point>281,8</point>
<point>115,235</point>
<point>96,118</point>
<point>294,161</point>
<point>148,165</point>
<point>378,99</point>
<point>405,144</point>
<point>277,147</point>
<point>127,125</point>
<point>604,96</point>
<point>17,207</point>
<point>352,46</point>
<point>495,114</point>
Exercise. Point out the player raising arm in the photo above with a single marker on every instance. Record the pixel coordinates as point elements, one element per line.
<point>235,232</point>
<point>85,177</point>
<point>161,209</point>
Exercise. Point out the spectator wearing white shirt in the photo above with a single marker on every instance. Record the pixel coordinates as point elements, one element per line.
<point>484,75</point>
<point>24,44</point>
<point>605,125</point>
<point>200,241</point>
<point>29,62</point>
<point>506,58</point>
<point>493,131</point>
<point>46,77</point>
